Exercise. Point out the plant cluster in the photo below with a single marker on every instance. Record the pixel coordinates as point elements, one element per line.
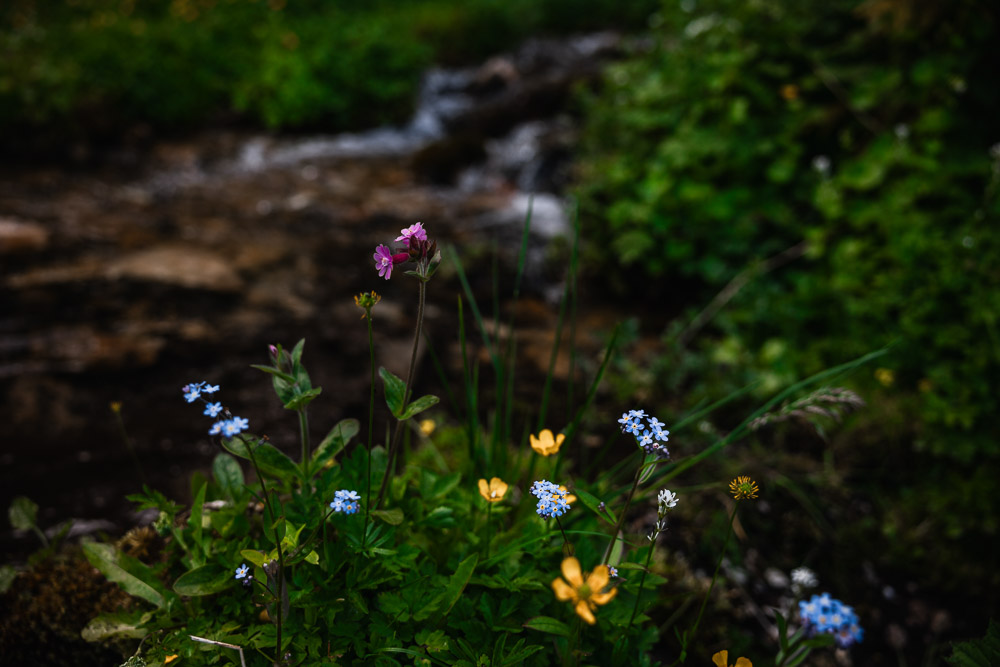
<point>827,178</point>
<point>448,552</point>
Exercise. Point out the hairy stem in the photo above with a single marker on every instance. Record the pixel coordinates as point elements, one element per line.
<point>394,445</point>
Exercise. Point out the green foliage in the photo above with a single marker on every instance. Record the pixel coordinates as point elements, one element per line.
<point>826,179</point>
<point>751,128</point>
<point>87,67</point>
<point>978,652</point>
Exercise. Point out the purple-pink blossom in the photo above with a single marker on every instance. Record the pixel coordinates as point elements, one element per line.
<point>416,231</point>
<point>383,261</point>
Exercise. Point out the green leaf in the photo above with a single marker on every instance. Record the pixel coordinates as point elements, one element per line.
<point>592,503</point>
<point>312,557</point>
<point>7,576</point>
<point>196,525</point>
<point>303,399</point>
<point>255,557</point>
<point>134,577</point>
<point>782,631</point>
<point>271,460</point>
<point>442,604</point>
<point>116,624</point>
<point>357,600</point>
<point>334,442</point>
<point>228,474</point>
<point>395,389</point>
<point>23,513</point>
<point>549,625</point>
<point>297,351</point>
<point>983,652</point>
<point>419,405</point>
<point>393,517</point>
<point>291,538</point>
<point>275,372</point>
<point>204,580</point>
<point>459,580</point>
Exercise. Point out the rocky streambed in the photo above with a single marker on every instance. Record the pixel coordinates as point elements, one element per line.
<point>184,260</point>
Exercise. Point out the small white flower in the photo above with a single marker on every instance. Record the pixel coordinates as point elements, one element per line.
<point>821,163</point>
<point>804,577</point>
<point>667,499</point>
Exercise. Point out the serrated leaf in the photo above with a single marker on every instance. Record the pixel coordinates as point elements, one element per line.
<point>442,604</point>
<point>358,601</point>
<point>395,389</point>
<point>228,474</point>
<point>418,406</point>
<point>271,460</point>
<point>23,513</point>
<point>204,580</point>
<point>134,577</point>
<point>549,625</point>
<point>393,517</point>
<point>116,624</point>
<point>334,442</point>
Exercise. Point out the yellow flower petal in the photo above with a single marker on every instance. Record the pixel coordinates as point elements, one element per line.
<point>599,578</point>
<point>497,489</point>
<point>743,662</point>
<point>484,489</point>
<point>721,659</point>
<point>583,611</point>
<point>604,598</point>
<point>546,444</point>
<point>563,590</point>
<point>571,570</point>
<point>169,659</point>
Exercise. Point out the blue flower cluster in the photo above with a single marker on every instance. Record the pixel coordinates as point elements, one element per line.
<point>821,613</point>
<point>224,427</point>
<point>648,432</point>
<point>346,502</point>
<point>551,499</point>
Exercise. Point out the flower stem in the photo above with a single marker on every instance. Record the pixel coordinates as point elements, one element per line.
<point>279,579</point>
<point>567,547</point>
<point>489,516</point>
<point>628,501</point>
<point>371,425</point>
<point>715,575</point>
<point>394,445</point>
<point>304,436</point>
<point>642,581</point>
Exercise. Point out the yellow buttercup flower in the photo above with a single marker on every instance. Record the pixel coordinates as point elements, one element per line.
<point>546,444</point>
<point>584,594</point>
<point>494,491</point>
<point>427,426</point>
<point>743,487</point>
<point>721,659</point>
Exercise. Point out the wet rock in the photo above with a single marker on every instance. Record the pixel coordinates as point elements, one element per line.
<point>21,237</point>
<point>182,266</point>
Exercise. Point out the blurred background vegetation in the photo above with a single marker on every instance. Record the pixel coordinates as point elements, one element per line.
<point>782,186</point>
<point>83,68</point>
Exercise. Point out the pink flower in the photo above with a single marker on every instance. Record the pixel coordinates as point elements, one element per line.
<point>385,260</point>
<point>416,231</point>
